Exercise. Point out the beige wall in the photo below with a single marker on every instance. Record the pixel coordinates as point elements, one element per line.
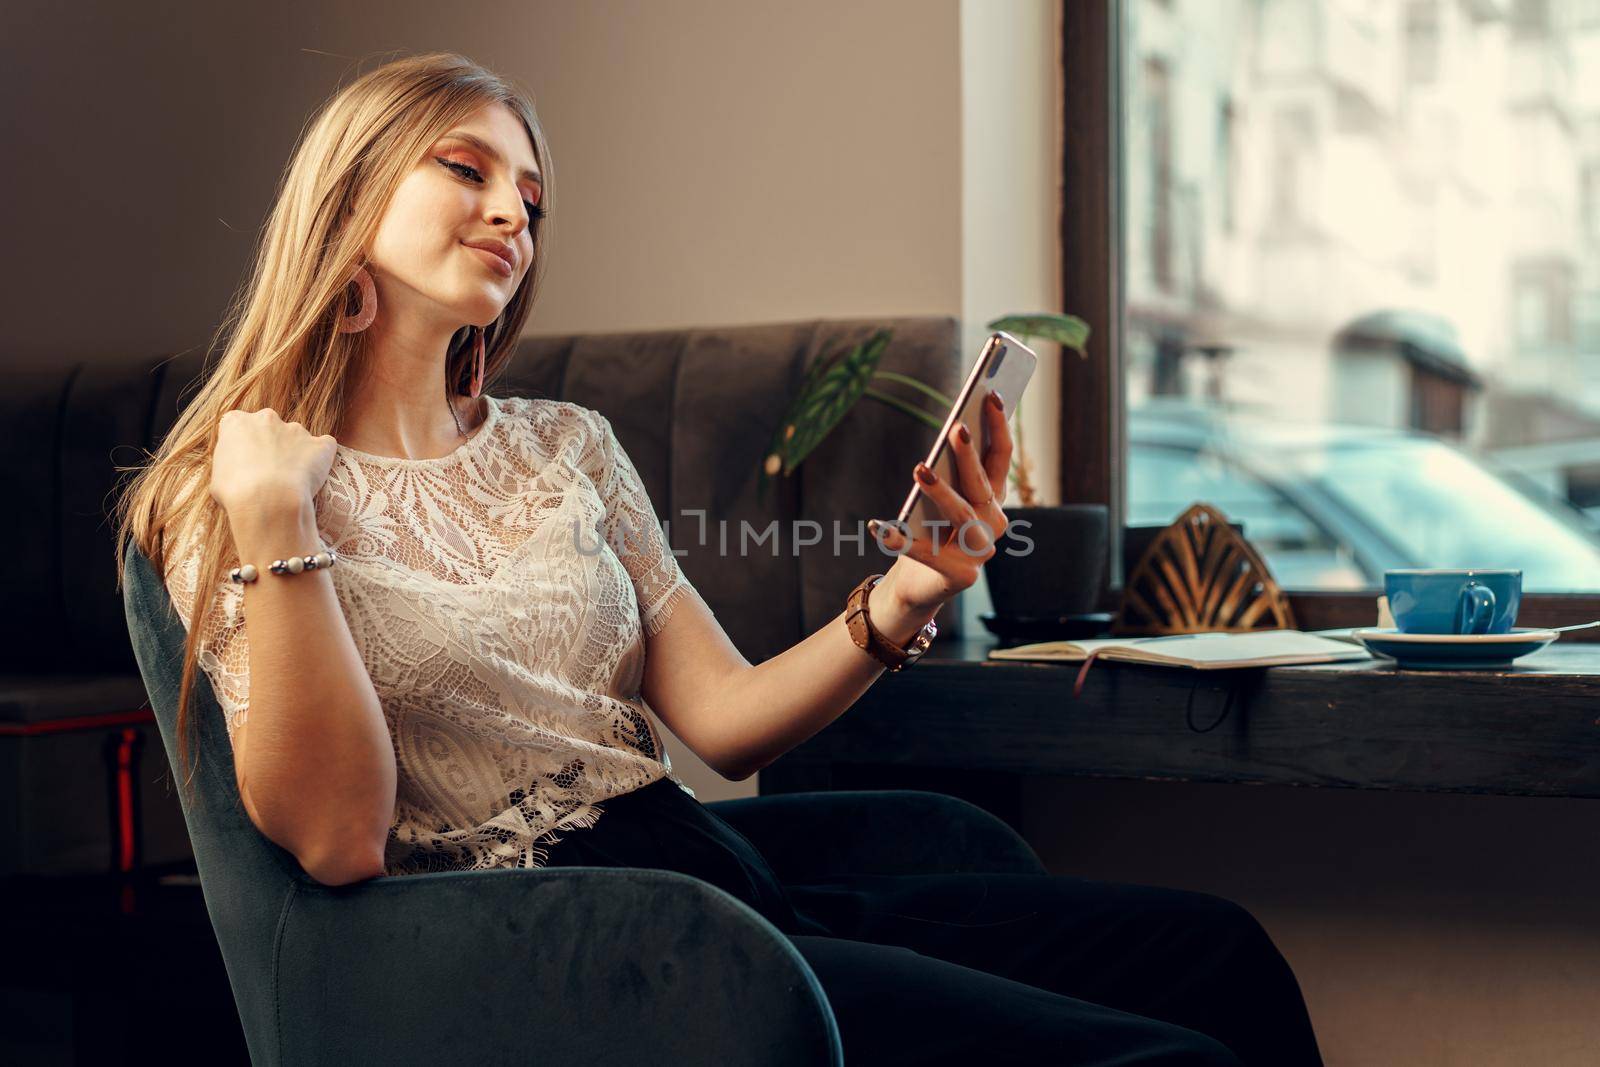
<point>749,162</point>
<point>714,161</point>
<point>723,161</point>
<point>1011,198</point>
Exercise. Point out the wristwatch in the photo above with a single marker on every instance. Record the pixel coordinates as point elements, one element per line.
<point>867,636</point>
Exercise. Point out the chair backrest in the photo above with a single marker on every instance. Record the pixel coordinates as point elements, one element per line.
<point>247,880</point>
<point>695,409</point>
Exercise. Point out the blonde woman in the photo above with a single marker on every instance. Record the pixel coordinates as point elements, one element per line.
<point>454,681</point>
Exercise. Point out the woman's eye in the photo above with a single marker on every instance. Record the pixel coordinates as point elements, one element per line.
<point>535,212</point>
<point>463,169</point>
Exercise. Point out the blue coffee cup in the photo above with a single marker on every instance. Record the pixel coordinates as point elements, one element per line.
<point>1454,601</point>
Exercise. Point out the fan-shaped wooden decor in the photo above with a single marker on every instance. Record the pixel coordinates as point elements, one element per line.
<point>1199,576</point>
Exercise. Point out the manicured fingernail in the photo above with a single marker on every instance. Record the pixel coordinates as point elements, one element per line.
<point>965,434</point>
<point>924,475</point>
<point>996,401</point>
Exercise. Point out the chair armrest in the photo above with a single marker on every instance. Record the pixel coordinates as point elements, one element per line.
<point>549,965</point>
<point>814,836</point>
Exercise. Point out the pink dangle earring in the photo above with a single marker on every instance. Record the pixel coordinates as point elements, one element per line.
<point>477,363</point>
<point>369,304</point>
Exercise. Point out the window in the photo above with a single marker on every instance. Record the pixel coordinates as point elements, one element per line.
<point>1422,42</point>
<point>1366,321</point>
<point>1158,162</point>
<point>1226,183</point>
<point>1175,474</point>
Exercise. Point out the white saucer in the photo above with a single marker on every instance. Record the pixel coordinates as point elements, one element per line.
<point>1454,651</point>
<point>1385,633</point>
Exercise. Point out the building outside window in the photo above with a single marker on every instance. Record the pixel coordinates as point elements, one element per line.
<point>1362,281</point>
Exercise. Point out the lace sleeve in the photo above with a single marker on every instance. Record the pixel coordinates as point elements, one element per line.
<point>634,532</point>
<point>224,653</point>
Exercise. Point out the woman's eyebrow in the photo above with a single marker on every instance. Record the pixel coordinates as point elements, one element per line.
<point>489,150</point>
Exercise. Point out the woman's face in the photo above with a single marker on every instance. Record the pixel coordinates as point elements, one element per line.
<point>461,191</point>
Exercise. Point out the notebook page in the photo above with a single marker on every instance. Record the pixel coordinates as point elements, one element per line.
<point>1257,648</point>
<point>1063,651</point>
<point>1192,650</point>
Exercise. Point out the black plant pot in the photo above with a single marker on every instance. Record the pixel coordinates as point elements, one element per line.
<point>1051,561</point>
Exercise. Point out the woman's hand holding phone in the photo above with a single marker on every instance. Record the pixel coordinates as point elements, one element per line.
<point>927,574</point>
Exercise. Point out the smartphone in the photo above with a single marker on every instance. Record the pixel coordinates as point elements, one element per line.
<point>1005,364</point>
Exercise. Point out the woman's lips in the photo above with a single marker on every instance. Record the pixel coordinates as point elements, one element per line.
<point>494,261</point>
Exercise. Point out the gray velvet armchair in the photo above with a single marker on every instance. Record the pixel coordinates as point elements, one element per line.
<point>556,965</point>
<point>582,964</point>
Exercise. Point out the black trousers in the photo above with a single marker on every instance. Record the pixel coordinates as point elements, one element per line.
<point>965,968</point>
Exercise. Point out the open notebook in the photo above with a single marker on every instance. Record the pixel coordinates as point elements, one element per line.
<point>1205,652</point>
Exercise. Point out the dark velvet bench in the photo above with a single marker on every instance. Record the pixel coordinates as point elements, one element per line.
<point>82,788</point>
<point>96,874</point>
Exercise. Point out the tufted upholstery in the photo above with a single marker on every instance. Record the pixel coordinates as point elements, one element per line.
<point>694,408</point>
<point>585,964</point>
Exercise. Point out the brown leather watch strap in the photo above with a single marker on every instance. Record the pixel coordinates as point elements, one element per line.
<point>868,637</point>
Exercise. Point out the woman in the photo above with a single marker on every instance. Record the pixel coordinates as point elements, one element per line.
<point>454,669</point>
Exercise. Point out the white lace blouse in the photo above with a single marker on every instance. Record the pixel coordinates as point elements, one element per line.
<point>499,596</point>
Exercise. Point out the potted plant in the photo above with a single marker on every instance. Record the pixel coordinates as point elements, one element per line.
<point>1050,565</point>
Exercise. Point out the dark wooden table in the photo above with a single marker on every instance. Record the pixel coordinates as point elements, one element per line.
<point>962,724</point>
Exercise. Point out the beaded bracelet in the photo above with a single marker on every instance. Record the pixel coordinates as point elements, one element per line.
<point>292,565</point>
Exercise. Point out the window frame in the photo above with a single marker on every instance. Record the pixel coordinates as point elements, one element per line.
<point>1093,432</point>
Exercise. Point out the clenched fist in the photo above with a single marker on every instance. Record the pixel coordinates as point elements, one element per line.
<point>261,460</point>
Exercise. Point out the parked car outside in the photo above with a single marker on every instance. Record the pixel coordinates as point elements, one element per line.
<point>1334,506</point>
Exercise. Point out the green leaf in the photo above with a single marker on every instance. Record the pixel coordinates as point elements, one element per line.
<point>831,388</point>
<point>900,405</point>
<point>1068,331</point>
<point>910,382</point>
<point>840,388</point>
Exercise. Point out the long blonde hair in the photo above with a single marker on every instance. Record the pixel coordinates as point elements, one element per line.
<point>283,348</point>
